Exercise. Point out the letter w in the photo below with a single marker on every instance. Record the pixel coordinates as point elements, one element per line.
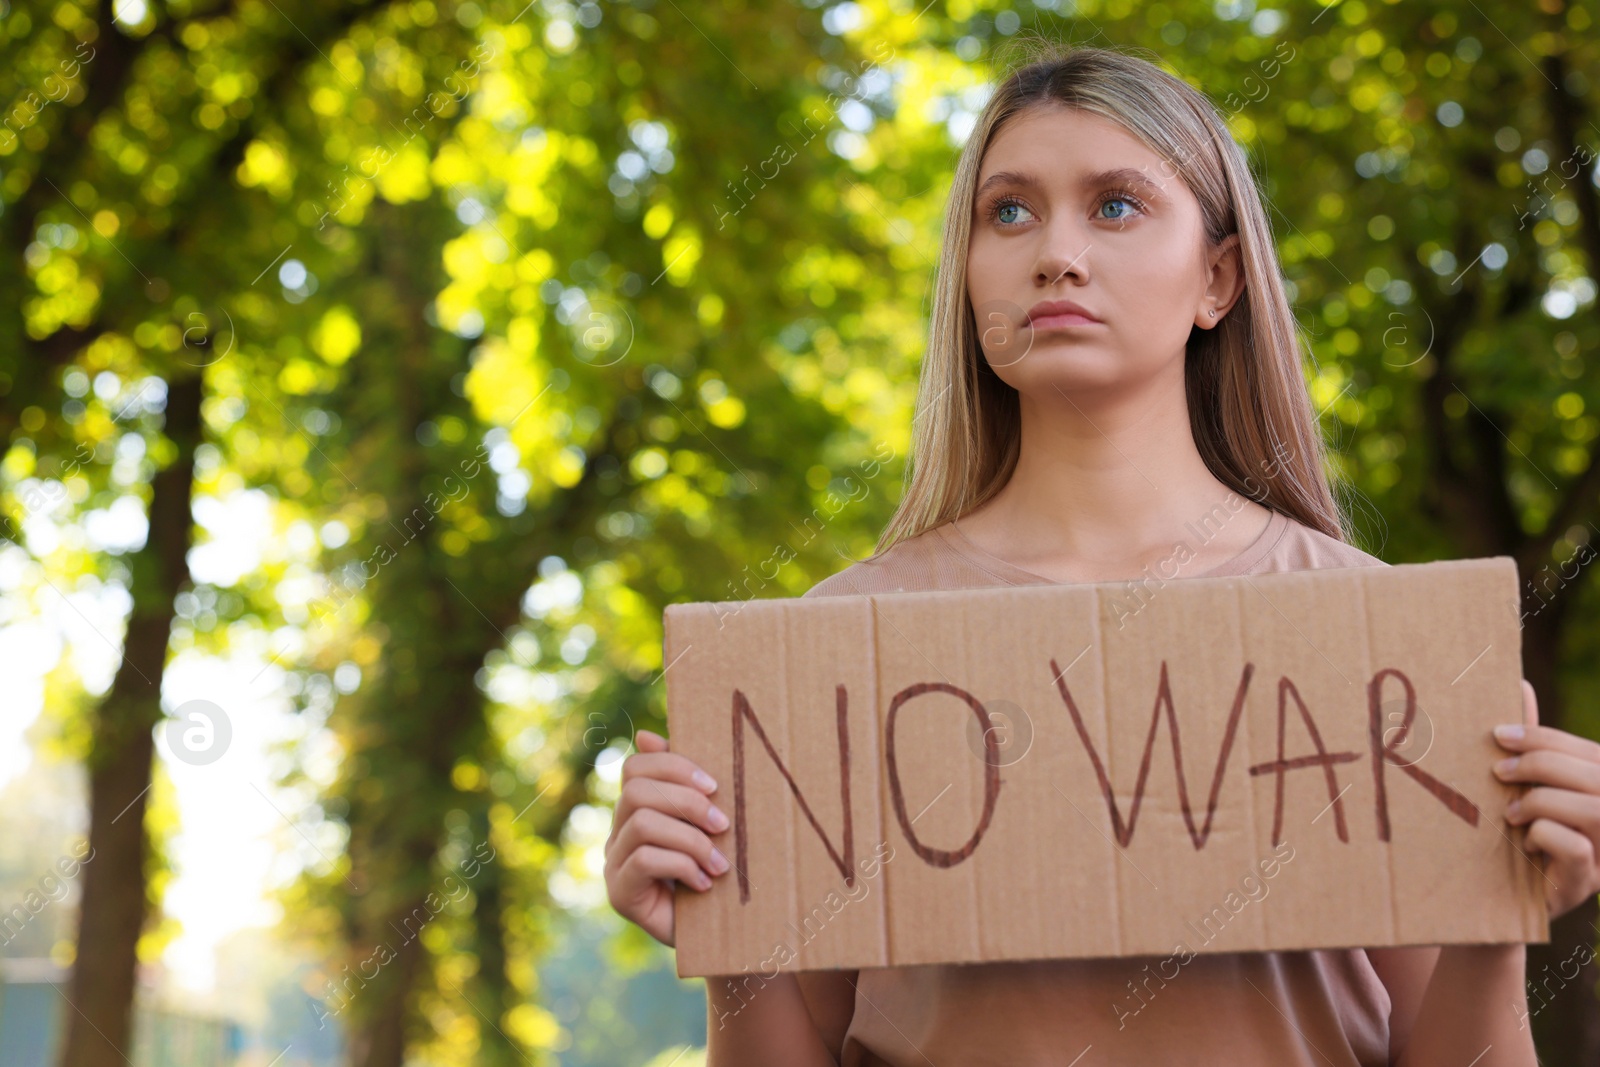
<point>1163,698</point>
<point>741,835</point>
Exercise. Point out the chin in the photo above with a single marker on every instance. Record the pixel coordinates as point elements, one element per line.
<point>1046,369</point>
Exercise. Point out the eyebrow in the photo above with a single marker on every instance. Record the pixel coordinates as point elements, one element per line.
<point>1114,176</point>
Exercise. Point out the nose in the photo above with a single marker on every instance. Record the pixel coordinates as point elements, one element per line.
<point>1062,254</point>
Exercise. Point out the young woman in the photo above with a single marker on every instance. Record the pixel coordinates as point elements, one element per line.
<point>1112,366</point>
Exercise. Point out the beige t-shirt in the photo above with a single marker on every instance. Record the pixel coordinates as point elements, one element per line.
<point>1323,1008</point>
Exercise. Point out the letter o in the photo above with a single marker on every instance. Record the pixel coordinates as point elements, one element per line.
<point>991,773</point>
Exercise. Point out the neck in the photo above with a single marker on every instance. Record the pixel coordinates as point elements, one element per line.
<point>1104,482</point>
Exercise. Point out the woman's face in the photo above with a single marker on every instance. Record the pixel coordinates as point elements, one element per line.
<point>1071,207</point>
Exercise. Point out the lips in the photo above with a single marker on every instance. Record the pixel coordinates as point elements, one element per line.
<point>1052,313</point>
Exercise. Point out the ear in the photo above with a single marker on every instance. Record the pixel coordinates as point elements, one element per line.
<point>1224,282</point>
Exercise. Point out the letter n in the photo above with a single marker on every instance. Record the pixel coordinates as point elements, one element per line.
<point>741,833</point>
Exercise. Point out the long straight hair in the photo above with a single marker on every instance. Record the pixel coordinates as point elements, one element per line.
<point>1249,407</point>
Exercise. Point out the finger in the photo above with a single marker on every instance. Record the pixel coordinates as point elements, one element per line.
<point>1549,766</point>
<point>1580,811</point>
<point>650,863</point>
<point>650,827</point>
<point>644,741</point>
<point>679,801</point>
<point>1512,735</point>
<point>667,766</point>
<point>1532,737</point>
<point>1570,863</point>
<point>648,782</point>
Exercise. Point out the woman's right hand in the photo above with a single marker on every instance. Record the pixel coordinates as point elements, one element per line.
<point>661,833</point>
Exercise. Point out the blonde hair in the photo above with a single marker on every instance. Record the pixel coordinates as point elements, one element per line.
<point>1249,406</point>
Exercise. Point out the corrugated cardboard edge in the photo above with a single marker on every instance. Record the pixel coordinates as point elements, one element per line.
<point>670,654</point>
<point>1536,911</point>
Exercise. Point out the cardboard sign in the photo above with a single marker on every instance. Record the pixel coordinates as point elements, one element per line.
<point>1280,761</point>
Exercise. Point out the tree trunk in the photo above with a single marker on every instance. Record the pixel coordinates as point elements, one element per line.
<point>112,913</point>
<point>380,1041</point>
<point>423,711</point>
<point>496,995</point>
<point>1561,982</point>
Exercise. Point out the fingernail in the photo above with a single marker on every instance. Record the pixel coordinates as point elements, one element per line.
<point>719,862</point>
<point>702,879</point>
<point>705,781</point>
<point>1508,731</point>
<point>717,820</point>
<point>1506,766</point>
<point>1514,809</point>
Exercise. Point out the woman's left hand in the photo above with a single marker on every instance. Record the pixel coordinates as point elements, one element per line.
<point>1562,810</point>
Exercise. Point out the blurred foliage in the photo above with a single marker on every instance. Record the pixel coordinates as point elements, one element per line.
<point>517,322</point>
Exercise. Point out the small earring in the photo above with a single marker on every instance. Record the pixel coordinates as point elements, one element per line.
<point>1213,312</point>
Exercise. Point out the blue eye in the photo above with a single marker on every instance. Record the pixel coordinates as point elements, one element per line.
<point>1008,211</point>
<point>1004,211</point>
<point>1117,198</point>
